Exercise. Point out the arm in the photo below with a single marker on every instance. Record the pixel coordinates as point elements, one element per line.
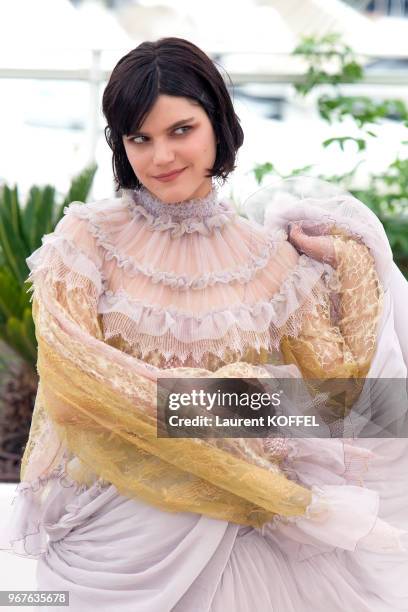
<point>361,298</point>
<point>68,268</point>
<point>339,343</point>
<point>64,271</point>
<point>339,337</point>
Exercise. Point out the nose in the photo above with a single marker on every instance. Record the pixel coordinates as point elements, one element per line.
<point>162,154</point>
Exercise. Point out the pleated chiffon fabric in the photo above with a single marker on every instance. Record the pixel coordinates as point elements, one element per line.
<point>130,289</point>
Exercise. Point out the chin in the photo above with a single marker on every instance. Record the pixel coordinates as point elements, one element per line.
<point>171,194</point>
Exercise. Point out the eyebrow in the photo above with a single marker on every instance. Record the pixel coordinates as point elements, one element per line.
<point>138,133</point>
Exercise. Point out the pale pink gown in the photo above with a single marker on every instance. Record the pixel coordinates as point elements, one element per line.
<point>114,553</point>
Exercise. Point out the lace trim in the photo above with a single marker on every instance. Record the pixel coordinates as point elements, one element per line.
<point>59,473</point>
<point>195,207</point>
<point>180,281</point>
<point>201,215</point>
<point>357,462</point>
<point>61,258</point>
<point>317,510</point>
<point>183,334</point>
<point>356,459</point>
<point>183,281</point>
<point>275,308</point>
<point>257,326</point>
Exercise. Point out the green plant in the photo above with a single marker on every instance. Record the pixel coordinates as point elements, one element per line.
<point>21,230</point>
<point>387,196</point>
<point>330,64</point>
<point>262,170</point>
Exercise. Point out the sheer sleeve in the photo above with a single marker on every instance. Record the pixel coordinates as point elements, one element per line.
<point>69,266</point>
<point>360,303</point>
<point>338,339</point>
<point>64,271</point>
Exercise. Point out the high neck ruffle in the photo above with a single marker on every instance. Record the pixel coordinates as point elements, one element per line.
<point>200,215</point>
<point>199,208</point>
<point>181,302</point>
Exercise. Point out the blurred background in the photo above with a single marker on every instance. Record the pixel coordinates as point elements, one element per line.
<point>320,86</point>
<point>56,56</point>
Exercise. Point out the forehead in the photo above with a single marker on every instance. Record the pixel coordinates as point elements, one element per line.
<point>169,109</point>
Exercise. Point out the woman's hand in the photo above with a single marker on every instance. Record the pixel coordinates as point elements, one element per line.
<point>311,239</point>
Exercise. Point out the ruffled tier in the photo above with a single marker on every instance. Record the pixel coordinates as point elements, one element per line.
<point>196,262</point>
<point>64,262</point>
<point>244,288</point>
<point>180,333</point>
<point>341,515</point>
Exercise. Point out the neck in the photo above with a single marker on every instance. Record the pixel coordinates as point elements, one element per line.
<point>202,207</point>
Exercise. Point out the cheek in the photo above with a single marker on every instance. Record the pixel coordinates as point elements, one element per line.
<point>134,157</point>
<point>205,145</point>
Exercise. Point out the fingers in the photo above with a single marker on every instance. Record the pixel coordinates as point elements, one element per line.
<point>311,228</point>
<point>317,247</point>
<point>297,236</point>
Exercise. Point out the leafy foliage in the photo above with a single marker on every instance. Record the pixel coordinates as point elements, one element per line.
<point>261,170</point>
<point>362,109</point>
<point>21,231</point>
<point>330,64</point>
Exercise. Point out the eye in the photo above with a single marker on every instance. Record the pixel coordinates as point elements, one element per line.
<point>134,139</point>
<point>183,127</point>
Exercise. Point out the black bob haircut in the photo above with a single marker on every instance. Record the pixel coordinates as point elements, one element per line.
<point>175,67</point>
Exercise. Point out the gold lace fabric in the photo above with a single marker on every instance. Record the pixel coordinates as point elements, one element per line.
<point>100,402</point>
<point>338,339</point>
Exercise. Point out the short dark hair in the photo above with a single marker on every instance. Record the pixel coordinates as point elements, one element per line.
<point>176,67</point>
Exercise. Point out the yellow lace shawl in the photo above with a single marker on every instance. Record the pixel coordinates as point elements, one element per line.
<point>123,294</point>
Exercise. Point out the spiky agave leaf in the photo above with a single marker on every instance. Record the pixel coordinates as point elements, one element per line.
<point>21,233</point>
<point>38,215</point>
<point>79,189</point>
<point>14,245</point>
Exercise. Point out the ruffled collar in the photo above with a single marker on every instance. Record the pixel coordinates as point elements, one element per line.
<point>199,208</point>
<point>200,215</point>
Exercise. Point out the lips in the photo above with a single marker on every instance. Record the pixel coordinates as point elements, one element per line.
<point>170,173</point>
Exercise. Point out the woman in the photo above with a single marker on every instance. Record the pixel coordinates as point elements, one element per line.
<point>168,281</point>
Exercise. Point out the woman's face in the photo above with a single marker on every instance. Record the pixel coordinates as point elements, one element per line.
<point>159,147</point>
